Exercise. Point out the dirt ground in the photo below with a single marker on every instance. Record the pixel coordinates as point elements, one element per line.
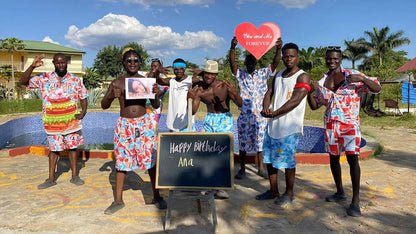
<point>387,193</point>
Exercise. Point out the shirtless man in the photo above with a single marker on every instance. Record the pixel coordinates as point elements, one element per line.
<point>134,127</point>
<point>216,95</point>
<point>339,91</point>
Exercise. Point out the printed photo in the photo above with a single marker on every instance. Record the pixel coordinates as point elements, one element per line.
<point>140,88</point>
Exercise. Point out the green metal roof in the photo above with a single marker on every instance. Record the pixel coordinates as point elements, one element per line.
<point>48,46</point>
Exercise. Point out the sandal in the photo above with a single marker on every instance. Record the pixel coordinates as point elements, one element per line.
<point>266,196</point>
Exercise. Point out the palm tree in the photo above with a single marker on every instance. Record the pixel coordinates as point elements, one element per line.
<point>309,58</point>
<point>12,45</point>
<point>355,50</point>
<point>381,42</point>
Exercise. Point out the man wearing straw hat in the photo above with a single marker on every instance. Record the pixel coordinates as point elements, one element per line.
<point>216,94</point>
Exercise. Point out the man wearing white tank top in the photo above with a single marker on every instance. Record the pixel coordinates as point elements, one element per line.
<point>284,105</point>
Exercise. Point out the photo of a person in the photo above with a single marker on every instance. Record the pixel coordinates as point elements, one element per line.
<point>139,88</point>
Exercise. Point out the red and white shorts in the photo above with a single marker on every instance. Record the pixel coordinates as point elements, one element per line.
<point>340,136</point>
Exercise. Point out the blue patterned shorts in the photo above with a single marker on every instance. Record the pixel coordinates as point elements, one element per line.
<point>280,152</point>
<point>218,122</point>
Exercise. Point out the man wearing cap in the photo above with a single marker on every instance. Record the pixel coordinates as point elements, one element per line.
<point>216,94</point>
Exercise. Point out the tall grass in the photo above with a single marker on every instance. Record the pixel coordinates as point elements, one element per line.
<point>20,106</point>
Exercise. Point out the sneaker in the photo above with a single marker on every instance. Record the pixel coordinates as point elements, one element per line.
<point>263,173</point>
<point>160,203</point>
<point>266,196</point>
<point>283,200</point>
<point>76,180</point>
<point>113,208</point>
<point>48,183</point>
<point>336,197</point>
<point>240,175</point>
<point>354,210</point>
<point>221,194</point>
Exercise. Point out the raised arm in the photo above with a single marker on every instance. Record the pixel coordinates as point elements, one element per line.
<point>233,64</point>
<point>37,62</point>
<point>277,55</point>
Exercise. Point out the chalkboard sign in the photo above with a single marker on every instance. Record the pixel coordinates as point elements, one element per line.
<point>195,161</point>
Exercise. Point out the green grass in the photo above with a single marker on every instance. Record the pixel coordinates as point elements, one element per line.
<point>20,106</point>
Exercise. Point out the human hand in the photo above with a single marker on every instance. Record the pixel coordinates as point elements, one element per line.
<point>196,72</point>
<point>279,43</point>
<point>231,88</point>
<point>192,92</point>
<point>267,113</point>
<point>355,78</point>
<point>314,86</point>
<point>234,42</point>
<point>37,62</point>
<point>156,90</point>
<point>80,115</point>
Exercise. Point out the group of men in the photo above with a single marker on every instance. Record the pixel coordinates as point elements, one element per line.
<point>270,121</point>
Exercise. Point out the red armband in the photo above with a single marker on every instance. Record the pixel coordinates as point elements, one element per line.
<point>303,85</point>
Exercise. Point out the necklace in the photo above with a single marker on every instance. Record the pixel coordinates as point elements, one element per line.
<point>290,73</point>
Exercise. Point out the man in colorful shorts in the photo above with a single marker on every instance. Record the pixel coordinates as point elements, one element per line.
<point>339,91</point>
<point>135,134</point>
<point>63,131</point>
<point>253,86</point>
<point>284,105</point>
<point>216,95</point>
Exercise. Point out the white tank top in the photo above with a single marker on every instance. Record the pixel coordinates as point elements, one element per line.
<point>291,122</point>
<point>177,117</point>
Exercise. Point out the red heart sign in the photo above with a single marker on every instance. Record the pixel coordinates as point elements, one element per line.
<point>257,41</point>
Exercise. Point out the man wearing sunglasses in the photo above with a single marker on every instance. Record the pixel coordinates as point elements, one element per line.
<point>339,91</point>
<point>135,135</point>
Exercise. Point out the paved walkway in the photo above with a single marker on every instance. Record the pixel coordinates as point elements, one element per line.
<point>387,198</point>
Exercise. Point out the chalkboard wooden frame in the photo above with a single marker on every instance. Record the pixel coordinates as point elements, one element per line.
<point>195,160</point>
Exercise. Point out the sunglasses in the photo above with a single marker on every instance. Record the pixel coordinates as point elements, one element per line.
<point>334,48</point>
<point>129,60</point>
<point>157,60</point>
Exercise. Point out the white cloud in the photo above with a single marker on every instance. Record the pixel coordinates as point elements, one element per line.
<point>48,39</point>
<point>285,3</point>
<point>121,29</point>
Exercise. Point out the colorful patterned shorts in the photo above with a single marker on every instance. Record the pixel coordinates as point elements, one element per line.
<point>251,131</point>
<point>62,142</point>
<point>135,143</point>
<point>280,152</point>
<point>340,136</point>
<point>218,122</point>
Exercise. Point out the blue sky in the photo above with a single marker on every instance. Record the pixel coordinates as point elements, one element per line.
<point>198,29</point>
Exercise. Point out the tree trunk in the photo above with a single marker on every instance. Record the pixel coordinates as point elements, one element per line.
<point>13,81</point>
